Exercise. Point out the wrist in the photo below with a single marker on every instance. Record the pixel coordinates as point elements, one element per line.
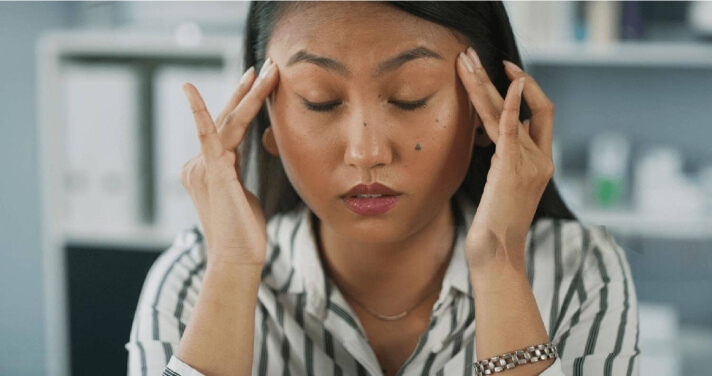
<point>245,275</point>
<point>499,276</point>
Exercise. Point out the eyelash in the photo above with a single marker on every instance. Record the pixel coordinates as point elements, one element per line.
<point>327,107</point>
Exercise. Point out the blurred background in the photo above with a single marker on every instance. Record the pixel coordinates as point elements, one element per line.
<point>95,130</point>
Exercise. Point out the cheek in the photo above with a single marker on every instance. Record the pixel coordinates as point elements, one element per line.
<point>446,139</point>
<point>445,151</point>
<point>307,155</point>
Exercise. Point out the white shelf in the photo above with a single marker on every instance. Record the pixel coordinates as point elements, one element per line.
<point>122,44</point>
<point>52,53</point>
<point>633,54</point>
<point>631,223</point>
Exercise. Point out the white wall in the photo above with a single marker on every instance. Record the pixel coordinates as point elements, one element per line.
<point>22,349</point>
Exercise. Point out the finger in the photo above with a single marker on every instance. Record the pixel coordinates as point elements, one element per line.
<point>236,122</point>
<point>526,125</point>
<point>210,144</point>
<point>245,83</point>
<point>509,124</point>
<point>541,107</point>
<point>482,93</point>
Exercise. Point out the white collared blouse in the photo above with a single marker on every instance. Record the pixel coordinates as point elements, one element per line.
<point>303,325</point>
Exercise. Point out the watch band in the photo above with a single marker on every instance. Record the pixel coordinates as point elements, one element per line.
<point>514,359</point>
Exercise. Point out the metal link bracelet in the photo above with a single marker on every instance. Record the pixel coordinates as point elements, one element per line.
<point>510,360</point>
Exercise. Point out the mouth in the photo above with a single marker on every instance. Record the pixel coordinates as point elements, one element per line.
<point>370,200</point>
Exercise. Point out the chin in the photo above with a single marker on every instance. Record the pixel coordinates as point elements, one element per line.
<point>395,226</point>
<point>383,231</point>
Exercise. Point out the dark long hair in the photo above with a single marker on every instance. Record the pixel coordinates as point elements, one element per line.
<point>485,25</point>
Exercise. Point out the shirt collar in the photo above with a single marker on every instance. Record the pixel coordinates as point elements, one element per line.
<point>308,266</point>
<point>309,273</point>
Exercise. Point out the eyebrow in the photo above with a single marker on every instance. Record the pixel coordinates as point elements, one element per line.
<point>383,67</point>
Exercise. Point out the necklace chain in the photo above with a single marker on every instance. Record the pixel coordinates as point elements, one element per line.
<point>391,317</point>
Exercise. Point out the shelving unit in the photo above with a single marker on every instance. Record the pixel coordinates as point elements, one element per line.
<point>623,54</point>
<point>57,49</point>
<point>631,223</point>
<point>676,56</point>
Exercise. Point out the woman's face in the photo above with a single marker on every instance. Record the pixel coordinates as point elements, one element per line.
<point>357,113</point>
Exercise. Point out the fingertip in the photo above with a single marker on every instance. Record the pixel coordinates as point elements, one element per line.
<point>466,63</point>
<point>248,75</point>
<point>512,89</point>
<point>187,88</point>
<point>512,67</point>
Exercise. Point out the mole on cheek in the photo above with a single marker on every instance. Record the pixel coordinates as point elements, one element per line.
<point>364,124</point>
<point>417,147</point>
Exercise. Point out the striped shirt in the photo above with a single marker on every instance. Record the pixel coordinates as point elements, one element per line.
<point>303,325</point>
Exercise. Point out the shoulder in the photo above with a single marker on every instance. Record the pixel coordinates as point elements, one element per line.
<point>184,260</point>
<point>568,247</point>
<point>186,253</point>
<point>282,229</point>
<point>282,242</point>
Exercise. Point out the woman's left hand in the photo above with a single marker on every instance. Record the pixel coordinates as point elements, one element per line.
<point>521,166</point>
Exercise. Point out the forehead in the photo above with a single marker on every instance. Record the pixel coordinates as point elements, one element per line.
<point>360,30</point>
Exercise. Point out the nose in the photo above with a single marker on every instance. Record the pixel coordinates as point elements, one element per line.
<point>367,145</point>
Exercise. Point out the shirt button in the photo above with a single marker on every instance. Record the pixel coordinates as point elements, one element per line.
<point>436,349</point>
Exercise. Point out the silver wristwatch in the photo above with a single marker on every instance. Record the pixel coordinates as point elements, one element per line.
<point>510,360</point>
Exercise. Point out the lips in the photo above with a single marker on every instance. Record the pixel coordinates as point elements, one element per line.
<point>373,190</point>
<point>370,200</point>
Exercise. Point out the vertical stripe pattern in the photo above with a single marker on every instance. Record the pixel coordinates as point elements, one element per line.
<point>578,275</point>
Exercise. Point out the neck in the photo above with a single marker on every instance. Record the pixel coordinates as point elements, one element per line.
<point>391,277</point>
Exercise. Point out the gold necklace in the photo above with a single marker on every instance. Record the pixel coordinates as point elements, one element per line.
<point>399,316</point>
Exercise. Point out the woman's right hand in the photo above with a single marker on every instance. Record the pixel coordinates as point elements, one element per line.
<point>232,217</point>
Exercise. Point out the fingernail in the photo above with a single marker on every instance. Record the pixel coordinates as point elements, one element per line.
<point>467,62</point>
<point>520,87</point>
<point>266,65</point>
<point>473,56</point>
<point>247,75</point>
<point>513,66</point>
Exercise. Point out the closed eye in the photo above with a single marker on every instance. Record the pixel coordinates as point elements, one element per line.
<point>411,106</point>
<point>330,106</point>
<point>320,107</point>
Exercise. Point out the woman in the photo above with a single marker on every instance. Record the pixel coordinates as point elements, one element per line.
<point>413,227</point>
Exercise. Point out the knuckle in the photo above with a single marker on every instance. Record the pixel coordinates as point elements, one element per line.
<point>186,172</point>
<point>481,74</point>
<point>204,134</point>
<point>494,115</point>
<point>549,169</point>
<point>511,111</point>
<point>549,108</point>
<point>229,118</point>
<point>199,110</point>
<point>184,177</point>
<point>196,175</point>
<point>544,170</point>
<point>510,131</point>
